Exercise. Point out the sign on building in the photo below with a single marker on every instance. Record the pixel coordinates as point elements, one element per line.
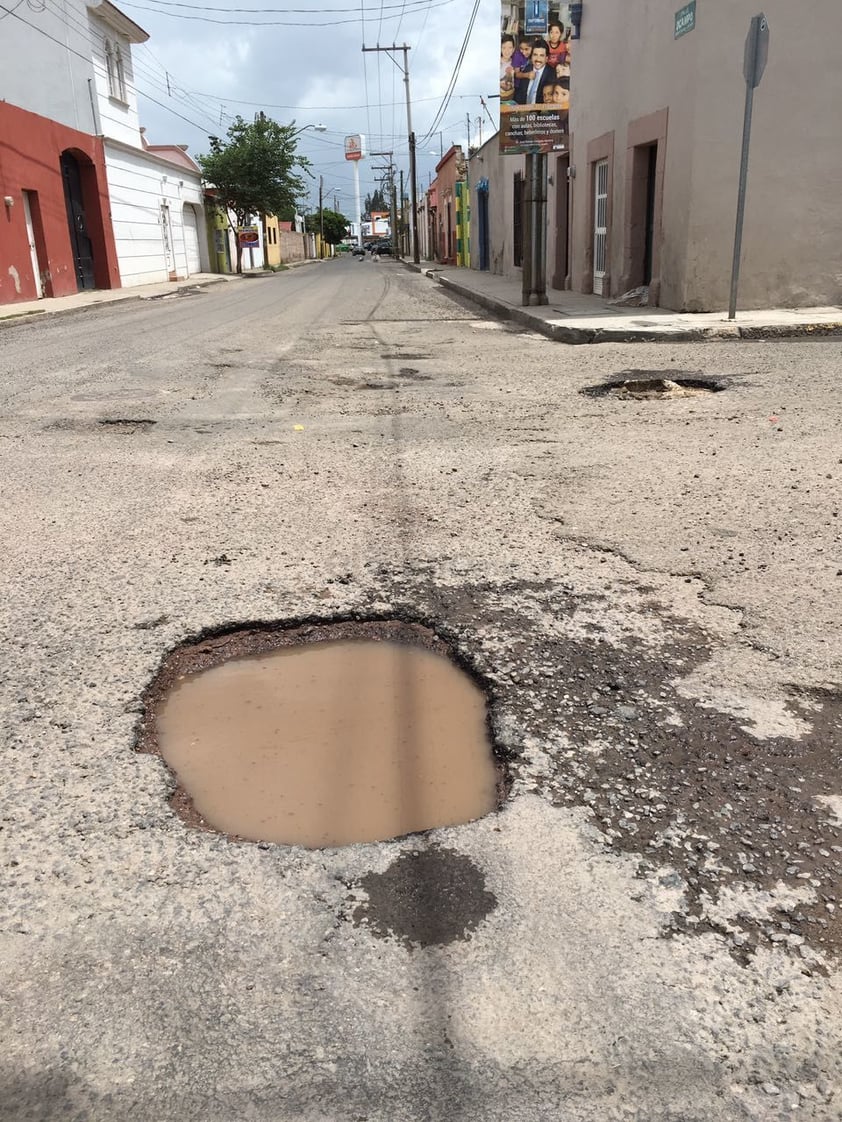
<point>685,19</point>
<point>249,237</point>
<point>354,147</point>
<point>535,54</point>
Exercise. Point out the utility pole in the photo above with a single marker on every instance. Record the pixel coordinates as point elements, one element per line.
<point>413,190</point>
<point>321,216</point>
<point>402,214</point>
<point>389,169</point>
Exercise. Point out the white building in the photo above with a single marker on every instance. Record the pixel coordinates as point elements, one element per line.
<point>156,191</point>
<point>72,64</point>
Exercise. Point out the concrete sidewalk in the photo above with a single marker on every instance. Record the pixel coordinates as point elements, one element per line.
<point>61,304</point>
<point>571,317</point>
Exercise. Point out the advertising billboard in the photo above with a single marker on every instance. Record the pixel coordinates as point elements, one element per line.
<point>249,237</point>
<point>536,45</point>
<point>354,147</point>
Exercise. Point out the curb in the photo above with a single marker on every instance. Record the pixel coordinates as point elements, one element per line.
<point>40,314</point>
<point>580,336</point>
<point>50,313</point>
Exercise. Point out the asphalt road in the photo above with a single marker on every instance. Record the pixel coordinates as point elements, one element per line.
<point>649,590</point>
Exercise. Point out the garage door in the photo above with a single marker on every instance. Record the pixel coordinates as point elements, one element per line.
<point>191,241</point>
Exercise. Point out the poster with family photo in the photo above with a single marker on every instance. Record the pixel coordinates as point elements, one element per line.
<point>536,43</point>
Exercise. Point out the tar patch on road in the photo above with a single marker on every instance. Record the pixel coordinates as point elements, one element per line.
<point>425,899</point>
<point>679,784</point>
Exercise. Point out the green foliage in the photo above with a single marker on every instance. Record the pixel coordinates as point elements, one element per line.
<point>335,225</point>
<point>254,168</point>
<point>376,202</point>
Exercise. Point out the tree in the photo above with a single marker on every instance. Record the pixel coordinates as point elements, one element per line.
<point>375,202</point>
<point>335,225</point>
<point>253,171</point>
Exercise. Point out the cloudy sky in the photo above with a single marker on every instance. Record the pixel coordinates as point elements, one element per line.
<point>203,64</point>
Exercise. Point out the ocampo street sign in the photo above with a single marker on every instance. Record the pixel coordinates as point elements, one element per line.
<point>685,19</point>
<point>756,50</point>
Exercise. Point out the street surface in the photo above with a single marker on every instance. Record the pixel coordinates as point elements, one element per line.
<point>651,591</point>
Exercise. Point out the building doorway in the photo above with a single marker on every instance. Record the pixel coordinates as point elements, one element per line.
<point>166,237</point>
<point>562,222</point>
<point>192,250</point>
<point>483,232</point>
<point>30,213</point>
<point>600,225</point>
<point>80,241</point>
<point>649,221</point>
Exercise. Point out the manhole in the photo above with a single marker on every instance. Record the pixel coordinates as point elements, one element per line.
<point>655,385</point>
<point>323,735</point>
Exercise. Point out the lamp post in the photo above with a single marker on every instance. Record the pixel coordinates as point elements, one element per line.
<point>315,128</point>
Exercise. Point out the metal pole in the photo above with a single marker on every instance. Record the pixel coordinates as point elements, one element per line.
<point>357,202</point>
<point>741,203</point>
<point>526,221</point>
<point>413,191</point>
<point>539,268</point>
<point>321,217</point>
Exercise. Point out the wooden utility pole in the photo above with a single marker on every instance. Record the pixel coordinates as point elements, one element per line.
<point>321,216</point>
<point>412,174</point>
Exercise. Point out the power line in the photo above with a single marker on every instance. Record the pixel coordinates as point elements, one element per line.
<point>87,58</point>
<point>415,4</point>
<point>455,75</point>
<point>84,29</point>
<point>259,23</point>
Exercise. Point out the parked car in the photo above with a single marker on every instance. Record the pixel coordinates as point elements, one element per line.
<point>383,249</point>
<point>358,251</point>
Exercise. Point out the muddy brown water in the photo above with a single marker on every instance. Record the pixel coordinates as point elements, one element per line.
<point>329,743</point>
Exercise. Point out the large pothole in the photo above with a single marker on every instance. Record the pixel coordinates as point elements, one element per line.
<point>655,385</point>
<point>323,735</point>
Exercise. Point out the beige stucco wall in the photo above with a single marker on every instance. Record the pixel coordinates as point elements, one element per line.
<point>292,246</point>
<point>627,67</point>
<point>500,172</point>
<point>792,242</point>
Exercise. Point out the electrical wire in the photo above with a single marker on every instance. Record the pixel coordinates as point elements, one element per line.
<point>87,58</point>
<point>260,23</point>
<point>414,4</point>
<point>84,29</point>
<point>454,76</point>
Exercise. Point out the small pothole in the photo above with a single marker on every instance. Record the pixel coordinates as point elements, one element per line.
<point>323,735</point>
<point>126,423</point>
<point>655,385</point>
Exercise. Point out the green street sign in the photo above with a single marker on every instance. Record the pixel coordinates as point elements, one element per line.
<point>685,19</point>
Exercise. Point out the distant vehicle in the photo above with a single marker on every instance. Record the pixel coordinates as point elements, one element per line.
<point>383,249</point>
<point>358,251</point>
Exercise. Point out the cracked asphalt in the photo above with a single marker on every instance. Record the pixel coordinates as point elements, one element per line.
<point>649,591</point>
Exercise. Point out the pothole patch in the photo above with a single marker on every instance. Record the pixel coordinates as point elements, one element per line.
<point>323,735</point>
<point>655,385</point>
<point>425,899</point>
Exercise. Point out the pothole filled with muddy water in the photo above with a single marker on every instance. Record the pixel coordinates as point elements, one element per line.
<point>323,735</point>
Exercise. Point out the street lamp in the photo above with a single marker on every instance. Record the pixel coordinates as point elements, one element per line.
<point>315,128</point>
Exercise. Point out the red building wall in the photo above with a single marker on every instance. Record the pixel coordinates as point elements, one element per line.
<point>30,155</point>
<point>445,183</point>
